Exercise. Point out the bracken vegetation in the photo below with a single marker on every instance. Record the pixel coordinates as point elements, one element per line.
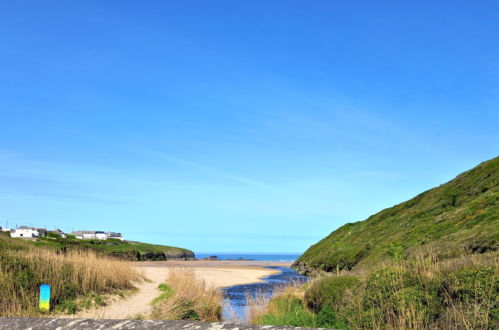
<point>458,293</point>
<point>461,216</point>
<point>71,275</point>
<point>186,297</point>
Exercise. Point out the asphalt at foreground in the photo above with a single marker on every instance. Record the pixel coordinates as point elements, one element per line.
<point>14,323</point>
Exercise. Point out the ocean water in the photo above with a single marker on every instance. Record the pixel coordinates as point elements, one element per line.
<point>236,297</point>
<point>285,257</point>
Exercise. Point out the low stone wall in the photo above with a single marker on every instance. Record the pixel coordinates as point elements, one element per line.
<point>13,323</point>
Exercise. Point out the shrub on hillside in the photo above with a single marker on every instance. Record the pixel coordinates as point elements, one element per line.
<point>330,292</point>
<point>476,286</point>
<point>403,296</point>
<point>382,284</point>
<point>427,293</point>
<point>473,284</point>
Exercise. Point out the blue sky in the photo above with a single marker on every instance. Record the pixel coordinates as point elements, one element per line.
<point>238,125</point>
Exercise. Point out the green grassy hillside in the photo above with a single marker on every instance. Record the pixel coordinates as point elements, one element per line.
<point>461,216</point>
<point>134,251</point>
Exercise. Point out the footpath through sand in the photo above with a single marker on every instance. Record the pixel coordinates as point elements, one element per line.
<point>215,273</point>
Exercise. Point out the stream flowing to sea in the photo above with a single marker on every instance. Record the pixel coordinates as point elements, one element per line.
<point>236,297</point>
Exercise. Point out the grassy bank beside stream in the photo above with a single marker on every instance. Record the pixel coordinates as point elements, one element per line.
<point>423,293</point>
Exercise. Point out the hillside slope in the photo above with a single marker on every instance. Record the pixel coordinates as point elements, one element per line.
<point>461,216</point>
<point>134,251</point>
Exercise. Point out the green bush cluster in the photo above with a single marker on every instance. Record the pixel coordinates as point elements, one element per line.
<point>478,287</point>
<point>474,284</point>
<point>329,292</point>
<point>396,292</point>
<point>422,294</point>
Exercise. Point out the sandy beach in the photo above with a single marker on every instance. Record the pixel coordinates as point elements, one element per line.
<point>218,274</point>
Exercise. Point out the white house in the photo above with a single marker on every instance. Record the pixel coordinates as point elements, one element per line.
<point>89,234</point>
<point>84,234</point>
<point>25,232</point>
<point>115,236</point>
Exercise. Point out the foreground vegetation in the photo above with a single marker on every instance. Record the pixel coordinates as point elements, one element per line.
<point>186,297</point>
<point>458,293</point>
<point>440,265</point>
<point>459,216</point>
<point>133,251</point>
<point>73,276</point>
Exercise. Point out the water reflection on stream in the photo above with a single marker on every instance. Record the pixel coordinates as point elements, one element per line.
<point>235,297</point>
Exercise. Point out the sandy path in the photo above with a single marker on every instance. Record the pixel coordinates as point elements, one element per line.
<point>139,303</point>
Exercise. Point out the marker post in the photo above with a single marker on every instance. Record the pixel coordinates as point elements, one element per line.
<point>45,297</point>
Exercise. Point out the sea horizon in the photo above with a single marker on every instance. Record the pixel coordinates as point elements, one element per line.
<point>260,256</point>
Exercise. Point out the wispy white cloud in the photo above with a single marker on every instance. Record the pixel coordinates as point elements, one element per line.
<point>216,172</point>
<point>24,176</point>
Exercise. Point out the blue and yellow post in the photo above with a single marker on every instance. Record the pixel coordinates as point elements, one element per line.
<point>45,297</point>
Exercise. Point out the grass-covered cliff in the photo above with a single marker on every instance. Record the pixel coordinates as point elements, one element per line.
<point>461,216</point>
<point>429,263</point>
<point>134,251</point>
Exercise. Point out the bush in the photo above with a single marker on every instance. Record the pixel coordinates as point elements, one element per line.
<point>328,319</point>
<point>474,284</point>
<point>402,296</point>
<point>426,293</point>
<point>381,284</point>
<point>329,292</point>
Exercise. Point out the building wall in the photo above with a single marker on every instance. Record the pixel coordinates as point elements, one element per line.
<point>24,233</point>
<point>100,236</point>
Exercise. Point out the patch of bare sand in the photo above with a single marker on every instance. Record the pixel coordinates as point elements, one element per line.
<point>138,304</point>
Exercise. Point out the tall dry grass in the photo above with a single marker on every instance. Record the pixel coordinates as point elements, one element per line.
<point>70,276</point>
<point>191,298</point>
